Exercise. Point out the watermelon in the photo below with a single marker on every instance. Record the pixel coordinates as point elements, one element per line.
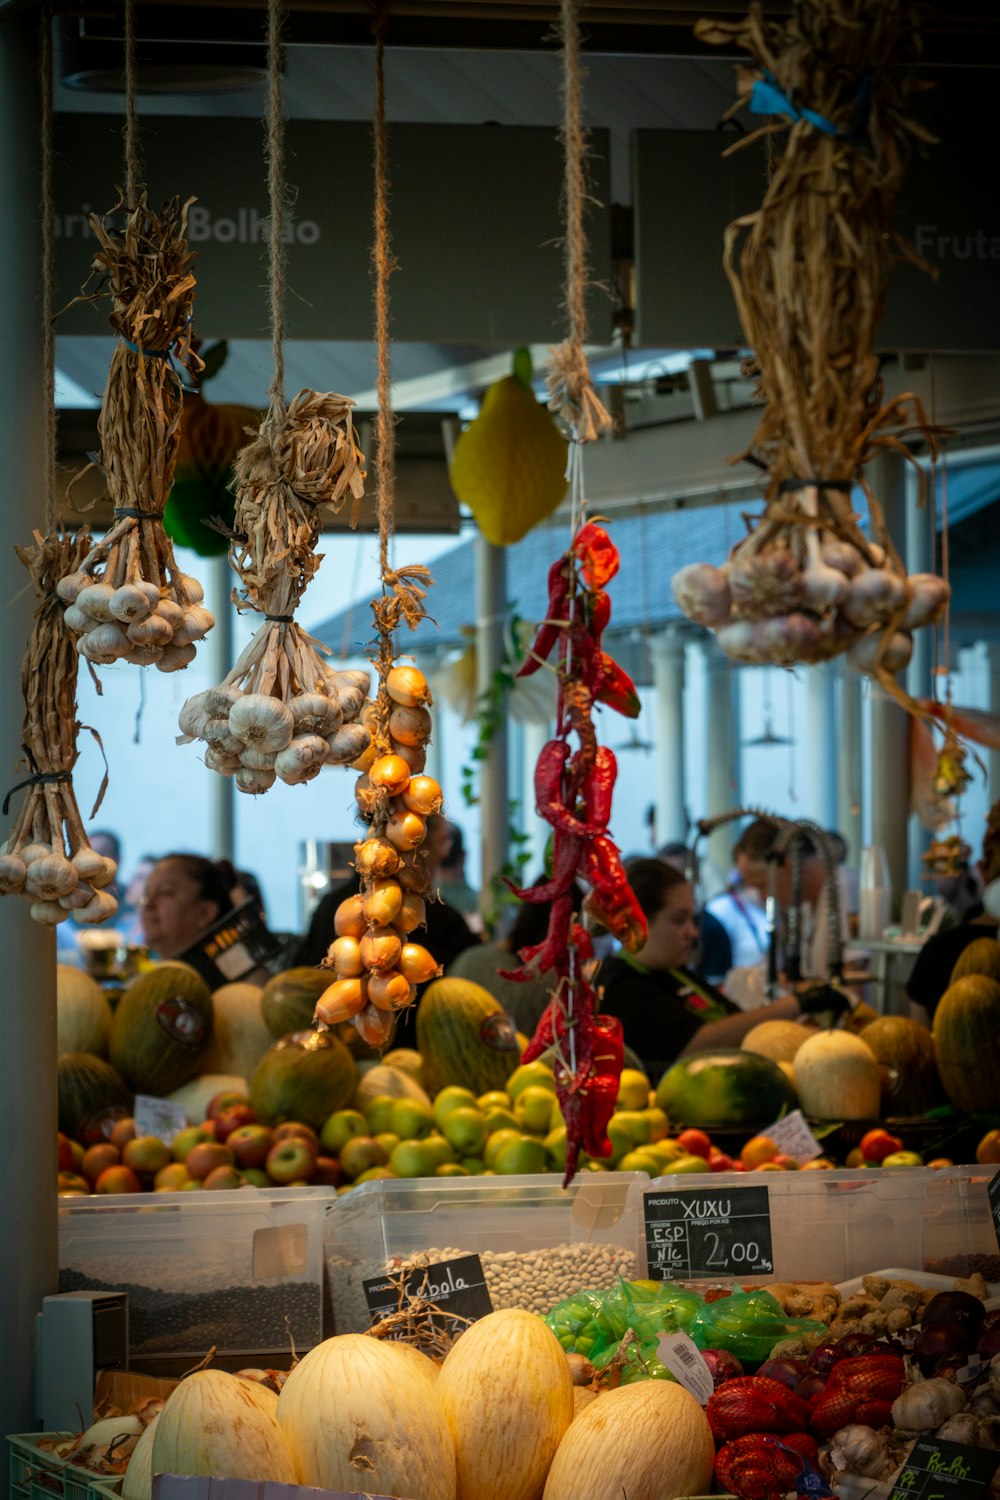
<point>725,1087</point>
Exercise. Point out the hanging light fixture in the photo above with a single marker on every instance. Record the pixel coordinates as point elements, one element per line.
<point>767,737</point>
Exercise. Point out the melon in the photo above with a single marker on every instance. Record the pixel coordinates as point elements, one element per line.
<point>904,1050</point>
<point>379,1081</point>
<point>304,1077</point>
<point>981,957</point>
<point>289,999</point>
<point>161,1027</point>
<point>195,1096</point>
<point>83,1015</point>
<point>966,1034</point>
<point>778,1040</point>
<point>90,1093</point>
<point>837,1077</point>
<point>724,1087</point>
<point>407,1060</point>
<point>211,1424</point>
<point>641,1441</point>
<point>465,1037</point>
<point>239,1035</point>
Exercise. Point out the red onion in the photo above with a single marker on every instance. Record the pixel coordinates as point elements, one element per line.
<point>788,1370</point>
<point>810,1385</point>
<point>954,1307</point>
<point>823,1357</point>
<point>989,1342</point>
<point>723,1365</point>
<point>942,1340</point>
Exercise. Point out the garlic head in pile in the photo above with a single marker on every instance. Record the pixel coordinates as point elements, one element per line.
<point>926,1404</point>
<point>314,713</point>
<point>973,1431</point>
<point>260,720</point>
<point>702,592</point>
<point>860,1450</point>
<point>767,584</point>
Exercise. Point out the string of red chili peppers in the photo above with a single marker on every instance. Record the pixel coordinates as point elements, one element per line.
<point>573,791</point>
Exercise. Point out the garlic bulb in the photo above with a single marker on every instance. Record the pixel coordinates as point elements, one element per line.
<point>766,584</point>
<point>218,734</point>
<point>928,597</point>
<point>975,1432</point>
<point>737,641</point>
<point>80,895</point>
<point>926,1404</point>
<point>196,624</point>
<point>151,630</point>
<point>864,655</point>
<point>226,765</point>
<point>72,585</point>
<point>88,862</point>
<point>258,719</point>
<point>170,611</point>
<point>875,595</point>
<point>860,1450</point>
<point>302,759</point>
<point>193,717</point>
<point>145,656</point>
<point>30,852</point>
<point>190,586</point>
<point>842,556</point>
<point>823,588</point>
<point>254,782</point>
<point>352,701</point>
<point>95,600</point>
<point>219,700</point>
<point>12,873</point>
<point>149,590</point>
<point>258,760</point>
<point>48,913</point>
<point>98,909</point>
<point>702,592</point>
<point>101,878</point>
<point>129,604</point>
<point>787,639</point>
<point>349,742</point>
<point>104,644</point>
<point>175,658</point>
<point>352,680</point>
<point>50,878</point>
<point>316,714</point>
<point>77,619</point>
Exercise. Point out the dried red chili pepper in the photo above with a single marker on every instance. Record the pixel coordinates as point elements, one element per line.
<point>598,790</point>
<point>550,629</point>
<point>597,553</point>
<point>616,689</point>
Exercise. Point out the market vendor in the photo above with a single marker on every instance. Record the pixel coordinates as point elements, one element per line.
<point>666,1010</point>
<point>183,897</point>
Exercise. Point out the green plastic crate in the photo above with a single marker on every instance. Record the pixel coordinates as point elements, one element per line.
<point>105,1489</point>
<point>37,1474</point>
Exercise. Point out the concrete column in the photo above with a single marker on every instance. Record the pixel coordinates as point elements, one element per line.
<point>29,1244</point>
<point>222,655</point>
<point>921,532</point>
<point>666,652</point>
<point>993,756</point>
<point>722,791</point>
<point>849,762</point>
<point>491,606</point>
<point>890,770</point>
<point>820,790</point>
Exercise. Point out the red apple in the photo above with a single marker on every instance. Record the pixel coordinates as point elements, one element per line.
<point>97,1158</point>
<point>231,1119</point>
<point>122,1131</point>
<point>328,1173</point>
<point>118,1179</point>
<point>205,1157</point>
<point>720,1162</point>
<point>222,1177</point>
<point>72,1182</point>
<point>789,1163</point>
<point>291,1159</point>
<point>190,1136</point>
<point>65,1160</point>
<point>296,1128</point>
<point>219,1102</point>
<point>250,1145</point>
<point>146,1153</point>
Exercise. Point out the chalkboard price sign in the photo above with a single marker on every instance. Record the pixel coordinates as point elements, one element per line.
<point>938,1470</point>
<point>456,1287</point>
<point>994,1192</point>
<point>691,1232</point>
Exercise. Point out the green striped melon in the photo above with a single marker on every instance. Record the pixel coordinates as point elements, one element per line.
<point>966,1034</point>
<point>288,1002</point>
<point>161,1029</point>
<point>904,1051</point>
<point>304,1077</point>
<point>980,957</point>
<point>465,1037</point>
<point>91,1096</point>
<point>83,1015</point>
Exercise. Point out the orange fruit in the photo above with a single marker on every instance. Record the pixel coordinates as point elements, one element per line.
<point>759,1149</point>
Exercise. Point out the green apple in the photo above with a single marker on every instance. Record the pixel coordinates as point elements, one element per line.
<point>633,1089</point>
<point>533,1110</point>
<point>903,1159</point>
<point>523,1154</point>
<point>373,1174</point>
<point>638,1161</point>
<point>495,1099</point>
<point>185,1140</point>
<point>526,1076</point>
<point>256,1177</point>
<point>474,1165</point>
<point>466,1130</point>
<point>387,1139</point>
<point>556,1146</point>
<point>686,1164</point>
<point>665,1151</point>
<point>495,1141</point>
<point>621,1141</point>
<point>339,1127</point>
<point>442,1148</point>
<point>360,1153</point>
<point>411,1119</point>
<point>414,1159</point>
<point>451,1098</point>
<point>659,1125</point>
<point>451,1169</point>
<point>378,1113</point>
<point>499,1118</point>
<point>588,1164</point>
<point>638,1127</point>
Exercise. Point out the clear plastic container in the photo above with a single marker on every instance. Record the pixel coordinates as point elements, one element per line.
<point>538,1242</point>
<point>958,1234</point>
<point>202,1269</point>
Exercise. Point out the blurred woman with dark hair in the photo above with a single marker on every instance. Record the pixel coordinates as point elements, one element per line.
<point>183,895</point>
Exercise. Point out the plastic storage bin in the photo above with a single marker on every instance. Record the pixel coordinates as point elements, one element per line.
<point>37,1474</point>
<point>242,1271</point>
<point>958,1233</point>
<point>538,1242</point>
<point>825,1225</point>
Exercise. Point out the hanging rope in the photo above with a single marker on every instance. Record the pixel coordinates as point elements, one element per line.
<point>48,270</point>
<point>130,129</point>
<point>277,203</point>
<point>571,390</point>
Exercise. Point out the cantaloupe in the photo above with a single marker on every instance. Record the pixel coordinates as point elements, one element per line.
<point>304,1077</point>
<point>378,1081</point>
<point>90,1091</point>
<point>778,1040</point>
<point>966,1034</point>
<point>837,1077</point>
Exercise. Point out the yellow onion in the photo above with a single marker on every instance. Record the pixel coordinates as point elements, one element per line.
<point>410,726</point>
<point>407,686</point>
<point>414,755</point>
<point>366,796</point>
<point>391,772</point>
<point>345,955</point>
<point>423,796</point>
<point>380,949</point>
<point>341,1002</point>
<point>413,876</point>
<point>349,920</point>
<point>376,857</point>
<point>417,964</point>
<point>366,759</point>
<point>405,829</point>
<point>375,1026</point>
<point>390,990</point>
<point>412,913</point>
<point>382,902</point>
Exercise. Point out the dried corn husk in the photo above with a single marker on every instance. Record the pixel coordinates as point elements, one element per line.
<point>47,857</point>
<point>144,264</point>
<point>302,457</point>
<point>810,271</point>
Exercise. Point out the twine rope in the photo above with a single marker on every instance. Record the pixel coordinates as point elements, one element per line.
<point>383,266</point>
<point>277,204</point>
<point>130,129</point>
<point>48,270</point>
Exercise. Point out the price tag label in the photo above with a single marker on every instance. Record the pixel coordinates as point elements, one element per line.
<point>691,1232</point>
<point>794,1137</point>
<point>159,1117</point>
<point>994,1192</point>
<point>682,1357</point>
<point>456,1287</point>
<point>938,1470</point>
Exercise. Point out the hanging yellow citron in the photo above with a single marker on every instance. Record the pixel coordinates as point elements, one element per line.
<point>509,465</point>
